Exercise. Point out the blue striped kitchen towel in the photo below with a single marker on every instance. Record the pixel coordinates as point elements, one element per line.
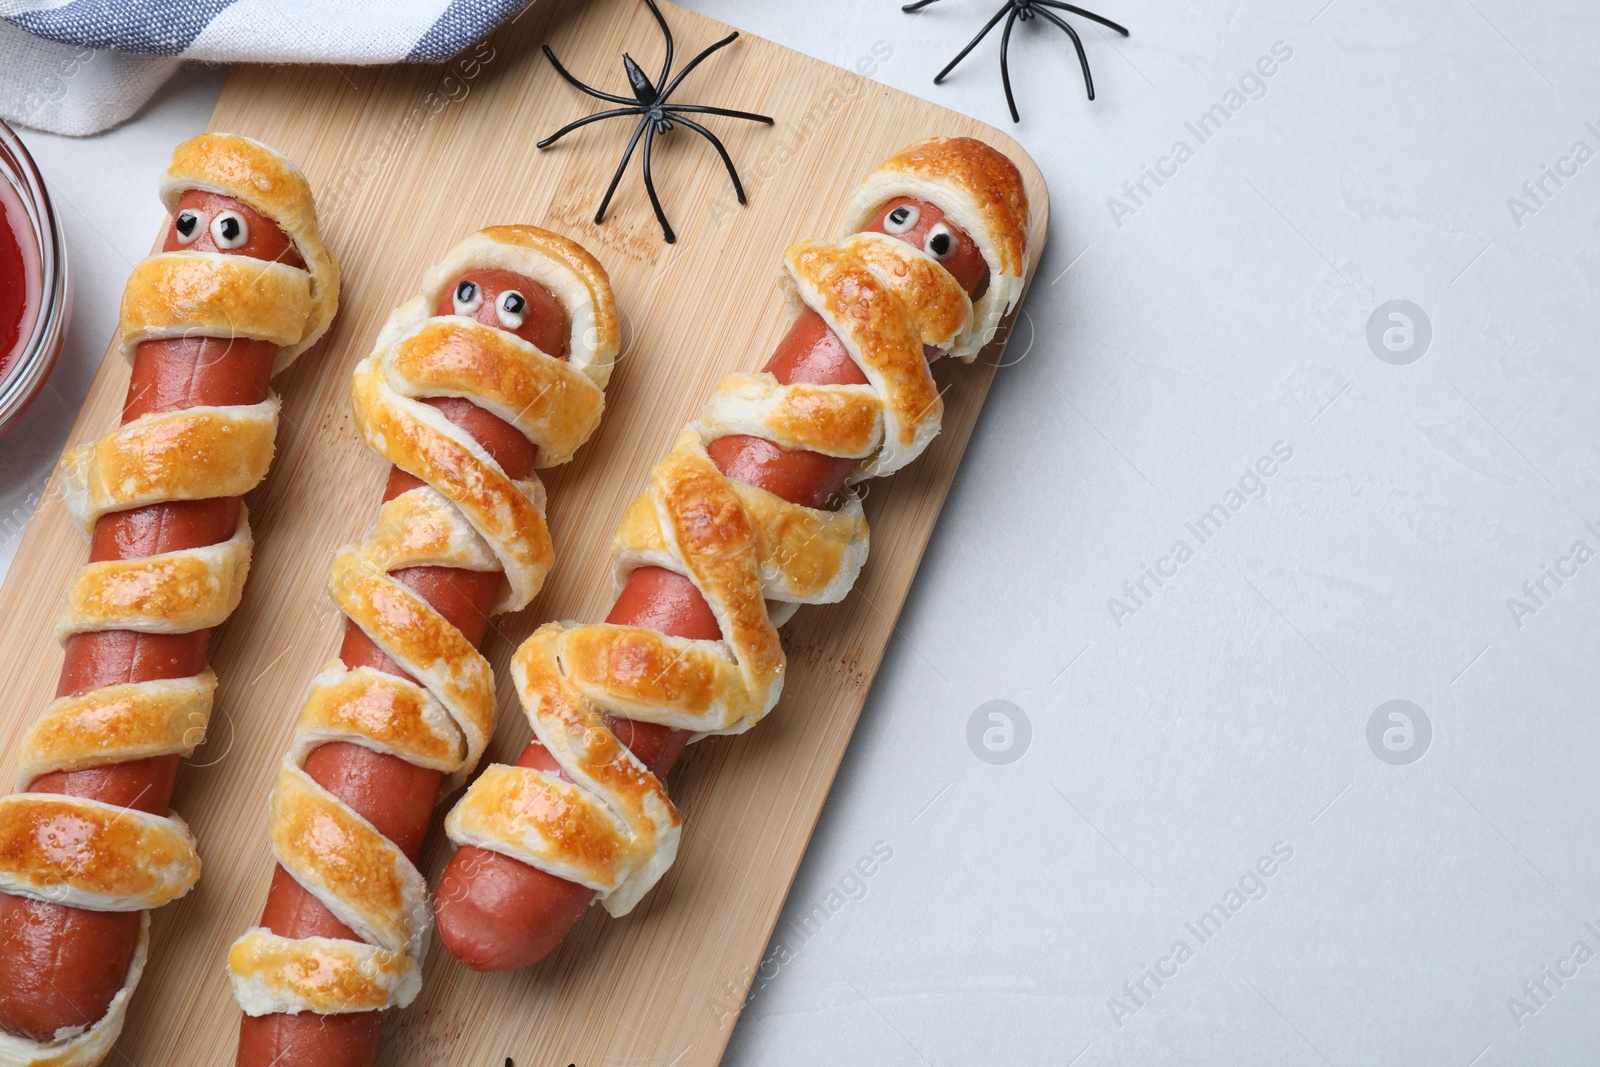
<point>80,66</point>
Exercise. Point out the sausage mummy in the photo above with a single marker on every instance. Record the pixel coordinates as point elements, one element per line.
<point>729,539</point>
<point>515,328</point>
<point>243,287</point>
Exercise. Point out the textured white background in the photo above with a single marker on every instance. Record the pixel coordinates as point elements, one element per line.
<point>1229,712</point>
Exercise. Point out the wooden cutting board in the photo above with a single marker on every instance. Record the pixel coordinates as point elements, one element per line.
<point>406,161</point>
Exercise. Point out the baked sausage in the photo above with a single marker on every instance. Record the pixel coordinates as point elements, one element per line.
<point>496,913</point>
<point>493,910</point>
<point>66,965</point>
<point>287,1019</point>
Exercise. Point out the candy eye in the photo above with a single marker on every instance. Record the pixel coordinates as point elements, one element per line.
<point>940,242</point>
<point>229,230</point>
<point>188,226</point>
<point>512,308</point>
<point>468,298</point>
<point>901,220</point>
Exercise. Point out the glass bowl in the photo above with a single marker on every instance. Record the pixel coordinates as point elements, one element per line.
<point>27,207</point>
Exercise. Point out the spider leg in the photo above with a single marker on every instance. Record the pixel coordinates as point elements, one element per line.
<point>576,84</point>
<point>1077,42</point>
<point>725,112</point>
<point>1005,67</point>
<point>1086,14</point>
<point>605,202</point>
<point>596,117</point>
<point>650,187</point>
<point>695,62</point>
<point>738,187</point>
<point>918,6</point>
<point>666,31</point>
<point>938,78</point>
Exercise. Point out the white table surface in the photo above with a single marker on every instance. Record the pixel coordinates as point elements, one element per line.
<point>1225,712</point>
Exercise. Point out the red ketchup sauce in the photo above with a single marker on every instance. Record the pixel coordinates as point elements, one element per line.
<point>19,278</point>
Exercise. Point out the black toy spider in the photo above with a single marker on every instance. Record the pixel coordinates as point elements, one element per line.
<point>656,116</point>
<point>1024,11</point>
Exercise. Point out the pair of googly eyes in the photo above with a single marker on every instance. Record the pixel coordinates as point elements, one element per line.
<point>228,228</point>
<point>510,307</point>
<point>940,241</point>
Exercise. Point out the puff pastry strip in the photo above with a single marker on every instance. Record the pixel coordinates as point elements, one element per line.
<point>84,853</point>
<point>753,556</point>
<point>469,515</point>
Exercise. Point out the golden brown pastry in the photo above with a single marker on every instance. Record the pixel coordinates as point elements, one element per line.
<point>467,514</point>
<point>224,299</point>
<point>604,822</point>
